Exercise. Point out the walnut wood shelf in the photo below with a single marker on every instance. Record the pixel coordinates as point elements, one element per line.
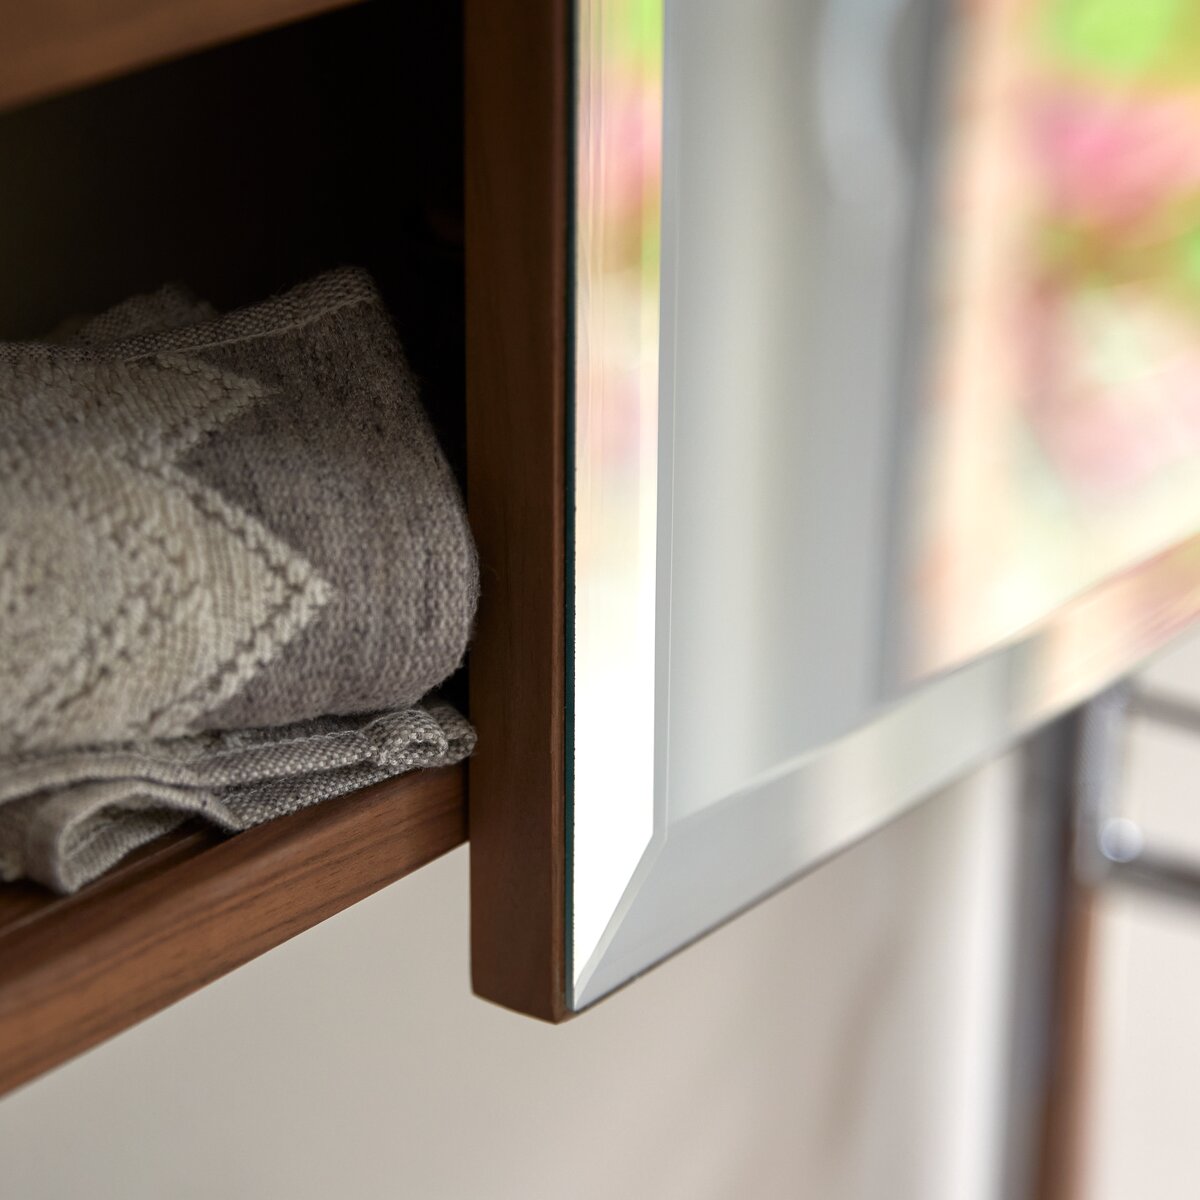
<point>517,173</point>
<point>53,45</point>
<point>190,907</point>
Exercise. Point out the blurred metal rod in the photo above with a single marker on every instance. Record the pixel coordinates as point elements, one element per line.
<point>1158,706</point>
<point>1160,872</point>
<point>1113,847</point>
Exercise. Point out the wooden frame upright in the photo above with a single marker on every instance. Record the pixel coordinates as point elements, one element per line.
<point>518,90</point>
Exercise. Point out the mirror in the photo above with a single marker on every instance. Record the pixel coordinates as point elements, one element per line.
<point>884,419</point>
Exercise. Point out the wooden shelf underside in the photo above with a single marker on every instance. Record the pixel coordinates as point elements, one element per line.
<point>52,46</point>
<point>191,907</point>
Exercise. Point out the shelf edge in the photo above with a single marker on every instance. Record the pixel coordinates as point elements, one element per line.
<point>77,970</point>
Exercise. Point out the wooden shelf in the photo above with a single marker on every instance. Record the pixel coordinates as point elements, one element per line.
<point>53,45</point>
<point>189,908</point>
<point>262,159</point>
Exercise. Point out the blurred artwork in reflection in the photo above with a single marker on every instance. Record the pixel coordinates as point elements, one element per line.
<point>1059,442</point>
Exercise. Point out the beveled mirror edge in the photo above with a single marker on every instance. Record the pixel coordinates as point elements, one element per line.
<point>614,511</point>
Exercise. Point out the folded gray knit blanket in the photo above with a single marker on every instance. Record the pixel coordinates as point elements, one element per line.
<point>211,525</point>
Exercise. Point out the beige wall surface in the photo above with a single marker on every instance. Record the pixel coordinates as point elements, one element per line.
<point>844,1041</point>
<point>1144,1017</point>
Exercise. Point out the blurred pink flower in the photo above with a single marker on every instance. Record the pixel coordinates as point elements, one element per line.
<point>632,144</point>
<point>1114,158</point>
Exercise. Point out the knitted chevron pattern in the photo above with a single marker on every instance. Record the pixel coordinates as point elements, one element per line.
<point>217,523</point>
<point>135,599</point>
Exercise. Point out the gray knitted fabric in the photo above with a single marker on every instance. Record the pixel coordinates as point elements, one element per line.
<point>238,523</point>
<point>241,523</point>
<point>66,817</point>
<point>171,307</point>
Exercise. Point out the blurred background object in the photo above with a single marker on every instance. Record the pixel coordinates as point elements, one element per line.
<point>1137,997</point>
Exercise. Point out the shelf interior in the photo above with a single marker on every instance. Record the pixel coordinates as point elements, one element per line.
<point>239,171</point>
<point>249,168</point>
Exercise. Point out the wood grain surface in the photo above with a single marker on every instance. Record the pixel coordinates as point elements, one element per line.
<point>189,908</point>
<point>1061,1168</point>
<point>517,81</point>
<point>53,45</point>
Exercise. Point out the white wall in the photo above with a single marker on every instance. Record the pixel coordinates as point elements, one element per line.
<point>842,1041</point>
<point>1143,1021</point>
